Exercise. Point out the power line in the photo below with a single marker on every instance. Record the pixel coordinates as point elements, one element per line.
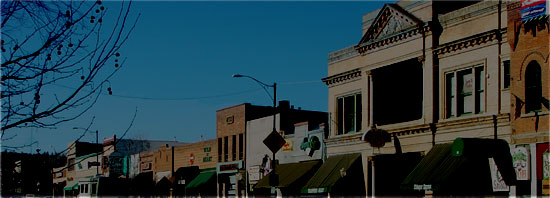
<point>196,97</point>
<point>176,98</point>
<point>187,98</point>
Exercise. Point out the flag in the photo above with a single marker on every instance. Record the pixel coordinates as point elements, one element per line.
<point>519,105</point>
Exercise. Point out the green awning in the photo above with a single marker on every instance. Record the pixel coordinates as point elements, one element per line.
<point>290,173</point>
<point>202,178</point>
<point>73,187</point>
<point>329,173</point>
<point>435,168</point>
<point>451,163</point>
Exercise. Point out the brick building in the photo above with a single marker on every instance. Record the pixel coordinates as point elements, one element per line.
<point>529,84</point>
<point>202,154</point>
<point>230,132</point>
<point>180,165</point>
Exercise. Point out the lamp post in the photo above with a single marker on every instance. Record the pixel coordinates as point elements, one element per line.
<point>274,97</point>
<point>273,176</point>
<point>96,142</point>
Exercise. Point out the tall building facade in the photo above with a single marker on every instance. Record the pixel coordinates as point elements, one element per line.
<point>298,128</point>
<point>230,132</point>
<point>529,71</point>
<point>426,72</point>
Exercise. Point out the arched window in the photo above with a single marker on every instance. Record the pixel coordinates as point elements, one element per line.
<point>533,87</point>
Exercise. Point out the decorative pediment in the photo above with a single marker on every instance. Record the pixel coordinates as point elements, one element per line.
<point>342,77</point>
<point>391,20</point>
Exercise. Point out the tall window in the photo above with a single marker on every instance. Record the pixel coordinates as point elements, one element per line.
<point>533,87</point>
<point>465,91</point>
<point>451,90</point>
<point>225,148</point>
<point>220,149</point>
<point>506,68</point>
<point>349,114</point>
<point>234,148</point>
<point>479,90</point>
<point>241,145</point>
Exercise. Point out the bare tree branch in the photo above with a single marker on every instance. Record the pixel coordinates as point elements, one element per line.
<point>47,44</point>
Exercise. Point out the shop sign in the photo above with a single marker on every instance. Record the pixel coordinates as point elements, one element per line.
<point>90,164</point>
<point>116,165</point>
<point>254,173</point>
<point>229,167</point>
<point>521,160</point>
<point>316,190</point>
<point>532,8</point>
<point>288,145</point>
<point>422,187</point>
<point>191,158</point>
<point>497,179</point>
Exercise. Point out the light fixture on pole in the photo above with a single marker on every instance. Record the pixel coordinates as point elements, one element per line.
<point>97,143</point>
<point>274,141</point>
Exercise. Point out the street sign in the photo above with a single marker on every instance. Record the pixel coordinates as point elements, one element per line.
<point>274,141</point>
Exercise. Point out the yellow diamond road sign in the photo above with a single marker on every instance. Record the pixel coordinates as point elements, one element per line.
<point>274,141</point>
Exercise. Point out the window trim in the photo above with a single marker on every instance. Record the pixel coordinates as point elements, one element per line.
<point>357,122</point>
<point>455,107</point>
<point>503,75</point>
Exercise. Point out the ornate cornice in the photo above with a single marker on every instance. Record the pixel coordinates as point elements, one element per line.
<point>425,128</point>
<point>475,40</point>
<point>412,31</point>
<point>417,129</point>
<point>342,77</point>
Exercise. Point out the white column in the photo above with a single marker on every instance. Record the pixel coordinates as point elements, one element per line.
<point>369,97</point>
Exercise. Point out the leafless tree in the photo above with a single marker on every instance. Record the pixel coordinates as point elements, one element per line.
<point>58,57</point>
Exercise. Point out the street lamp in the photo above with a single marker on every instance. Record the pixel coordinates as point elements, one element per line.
<point>273,177</point>
<point>96,142</point>
<point>274,97</point>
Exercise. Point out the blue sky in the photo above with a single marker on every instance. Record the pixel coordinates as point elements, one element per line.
<point>181,57</point>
